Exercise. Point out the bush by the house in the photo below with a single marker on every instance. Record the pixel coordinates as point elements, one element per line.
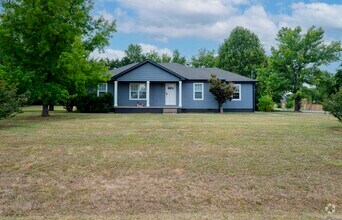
<point>334,105</point>
<point>90,103</point>
<point>289,102</point>
<point>266,103</point>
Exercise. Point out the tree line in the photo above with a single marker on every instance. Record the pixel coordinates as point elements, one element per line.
<point>293,68</point>
<point>46,46</point>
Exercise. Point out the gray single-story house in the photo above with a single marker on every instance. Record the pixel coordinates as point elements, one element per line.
<point>172,87</point>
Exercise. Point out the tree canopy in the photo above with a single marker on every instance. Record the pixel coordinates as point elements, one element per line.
<point>241,52</point>
<point>296,60</point>
<point>134,54</point>
<point>45,45</point>
<point>222,90</point>
<point>204,58</point>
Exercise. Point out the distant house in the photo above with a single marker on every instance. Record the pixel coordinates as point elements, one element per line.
<point>159,87</point>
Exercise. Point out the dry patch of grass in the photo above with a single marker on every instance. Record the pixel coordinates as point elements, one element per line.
<point>185,166</point>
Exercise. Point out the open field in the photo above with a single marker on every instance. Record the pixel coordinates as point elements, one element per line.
<point>236,165</point>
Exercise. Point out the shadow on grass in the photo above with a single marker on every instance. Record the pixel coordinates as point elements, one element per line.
<point>31,117</point>
<point>336,130</point>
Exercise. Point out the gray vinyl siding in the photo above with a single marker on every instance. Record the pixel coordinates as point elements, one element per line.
<point>157,94</point>
<point>123,96</point>
<point>110,87</point>
<point>246,102</point>
<point>148,72</point>
<point>209,101</point>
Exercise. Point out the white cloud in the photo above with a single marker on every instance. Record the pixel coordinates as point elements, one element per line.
<point>108,53</point>
<point>318,14</point>
<point>214,19</point>
<point>119,54</point>
<point>147,48</point>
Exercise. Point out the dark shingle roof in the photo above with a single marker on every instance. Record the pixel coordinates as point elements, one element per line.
<point>204,73</point>
<point>191,73</point>
<point>114,72</point>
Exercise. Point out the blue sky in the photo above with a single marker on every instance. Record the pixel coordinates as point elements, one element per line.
<point>188,25</point>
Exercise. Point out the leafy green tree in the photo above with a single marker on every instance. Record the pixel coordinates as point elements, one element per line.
<point>10,103</point>
<point>177,58</point>
<point>270,84</point>
<point>134,53</point>
<point>154,56</point>
<point>334,105</point>
<point>222,90</point>
<point>241,52</point>
<point>79,78</point>
<point>298,57</point>
<point>338,79</point>
<point>166,58</point>
<point>204,58</point>
<point>34,37</point>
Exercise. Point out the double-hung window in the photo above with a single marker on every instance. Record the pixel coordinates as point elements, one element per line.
<point>137,91</point>
<point>198,91</point>
<point>102,89</point>
<point>237,93</point>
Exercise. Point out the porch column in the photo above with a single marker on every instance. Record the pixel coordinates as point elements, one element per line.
<point>115,93</point>
<point>180,94</point>
<point>148,93</point>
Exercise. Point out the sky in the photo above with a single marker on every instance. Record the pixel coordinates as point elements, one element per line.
<point>189,25</point>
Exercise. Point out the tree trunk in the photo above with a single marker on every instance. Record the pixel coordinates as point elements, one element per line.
<point>51,107</point>
<point>69,107</point>
<point>45,110</point>
<point>298,104</point>
<point>221,109</point>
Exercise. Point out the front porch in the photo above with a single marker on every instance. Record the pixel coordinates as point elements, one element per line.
<point>149,95</point>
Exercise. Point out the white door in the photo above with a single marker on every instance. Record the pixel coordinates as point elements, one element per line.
<point>170,94</point>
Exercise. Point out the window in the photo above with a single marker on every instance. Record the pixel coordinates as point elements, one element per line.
<point>102,89</point>
<point>198,91</point>
<point>137,91</point>
<point>237,93</point>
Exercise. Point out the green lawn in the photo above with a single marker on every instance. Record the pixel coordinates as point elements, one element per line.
<point>235,165</point>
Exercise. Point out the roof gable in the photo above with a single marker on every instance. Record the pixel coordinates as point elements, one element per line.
<point>121,73</point>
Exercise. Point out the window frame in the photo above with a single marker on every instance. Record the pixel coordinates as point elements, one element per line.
<point>102,91</point>
<point>239,91</point>
<point>130,91</point>
<point>194,91</point>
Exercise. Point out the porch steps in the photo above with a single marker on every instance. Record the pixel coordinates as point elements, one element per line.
<point>169,111</point>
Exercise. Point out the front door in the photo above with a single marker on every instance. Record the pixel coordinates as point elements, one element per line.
<point>170,94</point>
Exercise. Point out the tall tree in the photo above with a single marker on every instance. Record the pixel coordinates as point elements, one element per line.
<point>134,53</point>
<point>241,52</point>
<point>34,36</point>
<point>222,90</point>
<point>204,58</point>
<point>298,58</point>
<point>177,58</point>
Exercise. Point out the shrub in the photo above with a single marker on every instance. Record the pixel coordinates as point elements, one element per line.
<point>334,105</point>
<point>10,103</point>
<point>289,102</point>
<point>90,103</point>
<point>266,103</point>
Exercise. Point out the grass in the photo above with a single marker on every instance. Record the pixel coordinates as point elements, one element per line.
<point>187,166</point>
